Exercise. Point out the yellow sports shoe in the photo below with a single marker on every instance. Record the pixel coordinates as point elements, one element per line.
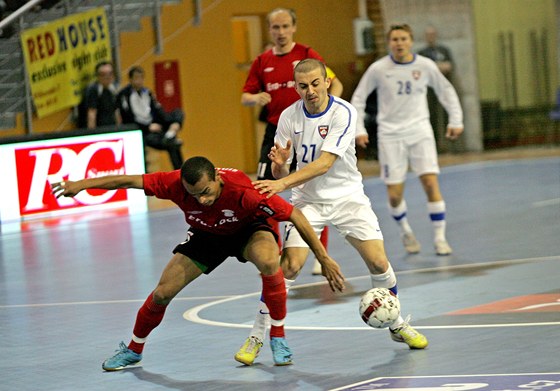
<point>249,351</point>
<point>406,334</point>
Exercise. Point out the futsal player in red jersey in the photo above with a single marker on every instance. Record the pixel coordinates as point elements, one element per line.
<point>227,217</point>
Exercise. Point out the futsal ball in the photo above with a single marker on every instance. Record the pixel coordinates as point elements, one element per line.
<point>379,307</point>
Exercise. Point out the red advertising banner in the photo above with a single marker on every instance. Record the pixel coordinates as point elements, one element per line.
<point>168,85</point>
<point>29,168</point>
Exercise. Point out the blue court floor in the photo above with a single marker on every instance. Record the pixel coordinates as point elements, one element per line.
<point>69,293</point>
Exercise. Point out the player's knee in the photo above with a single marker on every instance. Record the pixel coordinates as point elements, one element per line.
<point>395,200</point>
<point>162,297</point>
<point>377,262</point>
<point>291,267</point>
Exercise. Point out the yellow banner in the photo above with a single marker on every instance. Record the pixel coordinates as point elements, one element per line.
<point>60,58</point>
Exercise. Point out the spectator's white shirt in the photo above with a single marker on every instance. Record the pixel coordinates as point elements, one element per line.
<point>140,106</point>
<point>401,92</point>
<point>333,130</point>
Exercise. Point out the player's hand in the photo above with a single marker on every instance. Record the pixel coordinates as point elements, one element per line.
<point>362,140</point>
<point>262,98</point>
<point>332,273</point>
<point>270,187</point>
<point>280,155</point>
<point>453,133</point>
<point>65,188</point>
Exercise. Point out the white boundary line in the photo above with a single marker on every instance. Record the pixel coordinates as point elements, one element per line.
<point>193,313</point>
<point>442,377</point>
<point>552,201</point>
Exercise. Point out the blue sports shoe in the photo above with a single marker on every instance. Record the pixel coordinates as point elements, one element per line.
<point>124,358</point>
<point>281,353</point>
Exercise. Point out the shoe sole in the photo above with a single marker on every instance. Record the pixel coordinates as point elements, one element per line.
<point>401,340</point>
<point>283,364</point>
<point>244,362</point>
<point>138,364</point>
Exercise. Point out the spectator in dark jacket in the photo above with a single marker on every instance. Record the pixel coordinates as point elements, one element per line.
<point>137,105</point>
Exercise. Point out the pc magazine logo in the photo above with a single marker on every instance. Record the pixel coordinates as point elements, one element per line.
<point>39,167</point>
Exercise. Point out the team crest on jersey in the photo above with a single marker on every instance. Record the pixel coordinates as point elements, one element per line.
<point>416,75</point>
<point>228,213</point>
<point>323,130</point>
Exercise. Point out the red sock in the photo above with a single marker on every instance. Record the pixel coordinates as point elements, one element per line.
<point>274,295</point>
<point>325,237</point>
<point>148,318</point>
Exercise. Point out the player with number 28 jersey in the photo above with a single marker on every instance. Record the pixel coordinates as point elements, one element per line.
<point>401,91</point>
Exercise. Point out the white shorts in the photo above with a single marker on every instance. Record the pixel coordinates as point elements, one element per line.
<point>351,216</point>
<point>396,155</point>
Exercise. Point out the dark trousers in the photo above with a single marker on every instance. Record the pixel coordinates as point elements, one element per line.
<point>157,140</point>
<point>264,170</point>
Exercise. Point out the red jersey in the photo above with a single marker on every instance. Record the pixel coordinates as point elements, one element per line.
<point>275,74</point>
<point>238,205</point>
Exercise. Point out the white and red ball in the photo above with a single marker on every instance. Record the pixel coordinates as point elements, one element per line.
<point>379,307</point>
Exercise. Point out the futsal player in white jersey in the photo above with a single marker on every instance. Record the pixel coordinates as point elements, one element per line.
<point>327,187</point>
<point>404,133</point>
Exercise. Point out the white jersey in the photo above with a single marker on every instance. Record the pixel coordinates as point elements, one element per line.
<point>334,131</point>
<point>401,96</point>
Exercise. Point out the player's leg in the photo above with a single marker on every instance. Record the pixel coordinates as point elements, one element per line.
<point>383,276</point>
<point>393,158</point>
<point>178,273</point>
<point>423,160</point>
<point>292,260</point>
<point>261,250</point>
<point>357,222</point>
<point>436,209</point>
<point>264,169</point>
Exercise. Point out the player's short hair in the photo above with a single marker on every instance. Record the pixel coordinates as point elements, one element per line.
<point>276,10</point>
<point>310,64</point>
<point>194,168</point>
<point>400,26</point>
<point>135,69</point>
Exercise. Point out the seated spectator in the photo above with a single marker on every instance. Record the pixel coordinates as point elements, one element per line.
<point>137,105</point>
<point>99,103</point>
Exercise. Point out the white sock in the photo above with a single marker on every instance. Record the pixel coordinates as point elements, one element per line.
<point>387,280</point>
<point>399,215</point>
<point>262,322</point>
<point>262,318</point>
<point>437,215</point>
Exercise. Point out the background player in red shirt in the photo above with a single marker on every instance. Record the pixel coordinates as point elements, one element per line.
<point>227,217</point>
<point>270,83</point>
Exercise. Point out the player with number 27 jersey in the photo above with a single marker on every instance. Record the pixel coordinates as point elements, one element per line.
<point>332,130</point>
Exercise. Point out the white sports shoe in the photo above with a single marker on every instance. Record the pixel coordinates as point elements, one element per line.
<point>317,269</point>
<point>443,248</point>
<point>411,245</point>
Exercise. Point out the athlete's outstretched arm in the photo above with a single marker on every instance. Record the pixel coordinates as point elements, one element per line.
<point>109,182</point>
<point>330,268</point>
<point>314,169</point>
